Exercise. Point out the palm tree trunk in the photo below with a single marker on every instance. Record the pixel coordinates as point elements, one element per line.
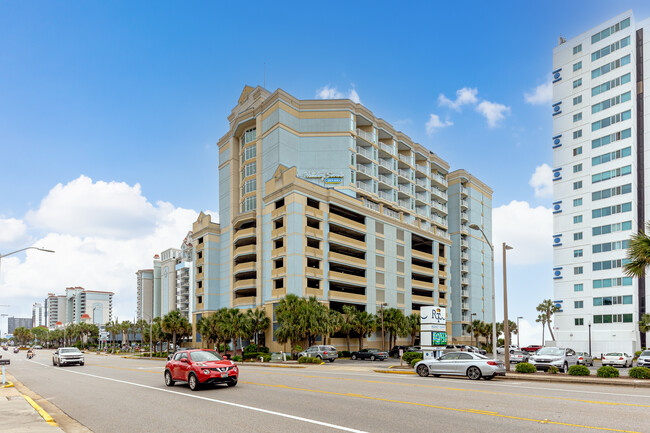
<point>548,322</point>
<point>347,339</point>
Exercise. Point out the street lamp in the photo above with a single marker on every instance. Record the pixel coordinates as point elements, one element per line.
<point>506,330</point>
<point>471,321</point>
<point>589,337</point>
<point>518,330</point>
<point>383,339</point>
<point>23,249</point>
<point>494,312</point>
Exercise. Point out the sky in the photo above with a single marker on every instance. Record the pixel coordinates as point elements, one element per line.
<point>110,113</point>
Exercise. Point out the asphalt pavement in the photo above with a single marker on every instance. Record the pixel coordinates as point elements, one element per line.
<point>111,394</point>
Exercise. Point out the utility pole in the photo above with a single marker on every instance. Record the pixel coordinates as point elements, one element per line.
<point>506,330</point>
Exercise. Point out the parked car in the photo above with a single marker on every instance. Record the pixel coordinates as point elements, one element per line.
<point>644,359</point>
<point>370,354</point>
<point>472,365</point>
<point>585,359</point>
<point>457,347</point>
<point>618,359</point>
<point>200,367</point>
<point>37,347</point>
<point>518,356</point>
<point>501,350</point>
<point>394,352</point>
<point>67,355</point>
<point>476,350</point>
<point>324,353</point>
<point>560,357</point>
<point>532,348</point>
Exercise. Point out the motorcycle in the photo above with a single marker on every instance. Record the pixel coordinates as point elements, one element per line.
<point>30,355</point>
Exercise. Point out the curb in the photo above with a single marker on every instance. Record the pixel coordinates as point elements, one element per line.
<point>46,416</point>
<point>8,384</point>
<point>393,372</point>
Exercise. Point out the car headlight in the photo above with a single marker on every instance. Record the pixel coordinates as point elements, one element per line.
<point>206,371</point>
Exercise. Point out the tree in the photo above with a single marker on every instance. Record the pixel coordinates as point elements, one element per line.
<point>288,314</point>
<point>542,319</point>
<point>23,335</point>
<point>347,322</point>
<point>412,326</point>
<point>332,325</point>
<point>393,323</point>
<point>40,334</point>
<point>638,255</point>
<point>548,308</point>
<point>364,324</point>
<point>173,323</point>
<point>258,322</point>
<point>142,326</point>
<point>644,324</point>
<point>112,327</point>
<point>475,328</point>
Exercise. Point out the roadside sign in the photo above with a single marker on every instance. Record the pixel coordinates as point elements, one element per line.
<point>401,352</point>
<point>5,361</point>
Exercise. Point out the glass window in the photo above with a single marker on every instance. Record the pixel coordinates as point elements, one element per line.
<point>577,270</point>
<point>577,185</point>
<point>577,83</point>
<point>579,321</point>
<point>577,134</point>
<point>577,253</point>
<point>577,100</point>
<point>577,202</point>
<point>577,49</point>
<point>577,168</point>
<point>577,117</point>
<point>578,150</point>
<point>578,304</point>
<point>577,287</point>
<point>577,236</point>
<point>577,219</point>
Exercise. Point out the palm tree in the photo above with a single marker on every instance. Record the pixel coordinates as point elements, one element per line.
<point>347,323</point>
<point>173,323</point>
<point>258,322</point>
<point>644,324</point>
<point>364,324</point>
<point>474,328</point>
<point>288,315</point>
<point>412,326</point>
<point>542,319</point>
<point>332,324</point>
<point>313,317</point>
<point>548,308</point>
<point>113,328</point>
<point>393,324</point>
<point>638,255</point>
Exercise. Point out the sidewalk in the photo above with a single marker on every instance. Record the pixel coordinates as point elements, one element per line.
<point>17,414</point>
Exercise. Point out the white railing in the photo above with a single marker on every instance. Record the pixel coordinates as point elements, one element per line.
<point>465,306</point>
<point>464,243</point>
<point>365,187</point>
<point>404,173</point>
<point>364,169</point>
<point>371,205</point>
<point>422,196</point>
<point>426,225</point>
<point>422,182</point>
<point>464,280</point>
<point>464,203</point>
<point>464,228</point>
<point>387,148</point>
<point>464,268</point>
<point>439,192</point>
<point>464,293</point>
<point>386,163</point>
<point>439,206</point>
<point>386,195</point>
<point>422,168</point>
<point>440,179</point>
<point>409,219</point>
<point>366,136</point>
<point>421,211</point>
<point>365,152</point>
<point>464,256</point>
<point>386,179</point>
<point>439,219</point>
<point>391,213</point>
<point>406,159</point>
<point>405,203</point>
<point>443,234</point>
<point>463,215</point>
<point>464,190</point>
<point>406,189</point>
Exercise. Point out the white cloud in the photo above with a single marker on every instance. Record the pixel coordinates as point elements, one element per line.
<point>327,92</point>
<point>12,230</point>
<point>529,333</point>
<point>435,123</point>
<point>464,96</point>
<point>543,94</point>
<point>493,112</point>
<point>102,232</point>
<point>542,181</point>
<point>528,230</point>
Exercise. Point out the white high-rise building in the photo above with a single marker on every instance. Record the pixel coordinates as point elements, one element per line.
<point>599,161</point>
<point>38,315</point>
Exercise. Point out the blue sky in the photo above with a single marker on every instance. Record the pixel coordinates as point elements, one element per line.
<point>123,102</point>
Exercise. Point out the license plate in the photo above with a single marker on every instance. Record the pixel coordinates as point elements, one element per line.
<point>224,374</point>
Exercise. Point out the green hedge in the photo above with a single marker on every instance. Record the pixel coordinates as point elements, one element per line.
<point>640,372</point>
<point>607,371</point>
<point>409,356</point>
<point>579,370</point>
<point>553,369</point>
<point>236,358</point>
<point>525,367</point>
<point>308,360</point>
<point>415,361</point>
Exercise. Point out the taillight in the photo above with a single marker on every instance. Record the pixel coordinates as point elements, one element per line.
<point>580,357</point>
<point>620,359</point>
<point>491,363</point>
<point>324,353</point>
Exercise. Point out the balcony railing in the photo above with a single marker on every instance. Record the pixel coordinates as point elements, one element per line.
<point>424,183</point>
<point>386,163</point>
<point>406,158</point>
<point>439,192</point>
<point>440,179</point>
<point>405,203</point>
<point>409,219</point>
<point>386,179</point>
<point>439,206</point>
<point>464,243</point>
<point>405,173</point>
<point>422,168</point>
<point>464,268</point>
<point>364,186</point>
<point>464,203</point>
<point>422,196</point>
<point>387,148</point>
<point>365,135</point>
<point>391,213</point>
<point>421,211</point>
<point>365,152</point>
<point>464,256</point>
<point>439,219</point>
<point>387,195</point>
<point>371,205</point>
<point>464,281</point>
<point>406,189</point>
<point>463,216</point>
<point>464,190</point>
<point>365,169</point>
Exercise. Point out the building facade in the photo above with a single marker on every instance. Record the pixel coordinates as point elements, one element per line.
<point>322,198</point>
<point>38,315</point>
<point>76,302</point>
<point>55,309</point>
<point>144,279</point>
<point>185,279</point>
<point>18,322</point>
<point>599,161</point>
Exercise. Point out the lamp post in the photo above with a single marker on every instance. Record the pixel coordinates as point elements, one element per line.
<point>472,327</point>
<point>589,325</point>
<point>383,339</point>
<point>23,249</point>
<point>506,330</point>
<point>494,317</point>
<point>518,330</point>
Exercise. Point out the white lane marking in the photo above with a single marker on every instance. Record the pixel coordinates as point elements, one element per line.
<point>228,403</point>
<point>482,385</point>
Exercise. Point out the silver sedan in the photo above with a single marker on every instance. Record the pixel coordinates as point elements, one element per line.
<point>472,365</point>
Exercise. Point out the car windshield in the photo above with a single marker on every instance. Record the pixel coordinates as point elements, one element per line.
<point>614,354</point>
<point>479,356</point>
<point>551,351</point>
<point>645,353</point>
<point>70,351</point>
<point>205,355</point>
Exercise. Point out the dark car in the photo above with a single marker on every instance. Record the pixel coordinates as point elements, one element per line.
<point>394,352</point>
<point>200,367</point>
<point>370,354</point>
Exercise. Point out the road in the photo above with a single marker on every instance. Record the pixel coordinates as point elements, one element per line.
<point>111,394</point>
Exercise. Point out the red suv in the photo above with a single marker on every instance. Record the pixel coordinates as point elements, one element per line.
<point>198,367</point>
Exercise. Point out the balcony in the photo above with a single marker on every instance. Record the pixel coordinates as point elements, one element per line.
<point>423,284</point>
<point>386,195</point>
<point>464,281</point>
<point>422,196</point>
<point>422,270</point>
<point>371,205</point>
<point>442,288</point>
<point>365,135</point>
<point>365,152</point>
<point>464,191</point>
<point>391,213</point>
<point>365,170</point>
<point>347,278</point>
<point>279,232</point>
<point>422,168</point>
<point>310,291</point>
<point>388,164</point>
<point>245,284</point>
<point>464,305</point>
<point>440,220</point>
<point>422,182</point>
<point>416,299</point>
<point>440,180</point>
<point>464,293</point>
<point>314,252</point>
<point>344,240</point>
<point>313,272</point>
<point>335,295</point>
<point>464,229</point>
<point>464,244</point>
<point>464,268</point>
<point>439,193</point>
<point>442,302</point>
<point>406,158</point>
<point>464,204</point>
<point>277,252</point>
<point>464,256</point>
<point>278,293</point>
<point>439,206</point>
<point>405,188</point>
<point>365,187</point>
<point>463,217</point>
<point>405,204</point>
<point>278,212</point>
<point>245,300</point>
<point>346,222</point>
<point>278,272</point>
<point>404,173</point>
<point>346,260</point>
<point>245,250</point>
<point>313,212</point>
<point>386,148</point>
<point>385,179</point>
<point>313,232</point>
<point>245,233</point>
<point>245,267</point>
<point>422,255</point>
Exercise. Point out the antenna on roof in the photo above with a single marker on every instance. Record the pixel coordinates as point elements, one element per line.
<point>562,40</point>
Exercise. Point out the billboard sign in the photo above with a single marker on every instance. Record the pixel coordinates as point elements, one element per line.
<point>433,326</point>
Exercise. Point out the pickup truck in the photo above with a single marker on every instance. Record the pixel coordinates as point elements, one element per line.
<point>531,348</point>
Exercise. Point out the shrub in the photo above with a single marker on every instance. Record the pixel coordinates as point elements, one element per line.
<point>637,353</point>
<point>344,353</point>
<point>607,371</point>
<point>250,349</point>
<point>266,357</point>
<point>308,360</point>
<point>525,367</point>
<point>316,361</point>
<point>579,370</point>
<point>415,361</point>
<point>251,355</point>
<point>553,369</point>
<point>236,358</point>
<point>409,356</point>
<point>640,372</point>
<point>263,349</point>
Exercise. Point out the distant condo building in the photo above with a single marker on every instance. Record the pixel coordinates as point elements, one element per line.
<point>599,166</point>
<point>18,322</point>
<point>145,294</point>
<point>322,198</point>
<point>77,301</point>
<point>38,315</point>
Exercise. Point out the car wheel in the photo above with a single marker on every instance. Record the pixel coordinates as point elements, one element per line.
<point>319,357</point>
<point>474,373</point>
<point>331,360</point>
<point>353,357</point>
<point>232,382</point>
<point>193,382</point>
<point>381,359</point>
<point>81,363</point>
<point>488,377</point>
<point>372,358</point>
<point>168,379</point>
<point>592,363</point>
<point>53,363</point>
<point>565,368</point>
<point>423,370</point>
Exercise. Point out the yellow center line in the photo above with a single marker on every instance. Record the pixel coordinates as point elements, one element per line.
<point>446,388</point>
<point>473,411</point>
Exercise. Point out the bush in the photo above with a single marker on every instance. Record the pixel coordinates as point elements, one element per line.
<point>344,353</point>
<point>525,367</point>
<point>316,361</point>
<point>640,372</point>
<point>607,371</point>
<point>579,370</point>
<point>304,360</point>
<point>236,358</point>
<point>409,356</point>
<point>637,353</point>
<point>250,349</point>
<point>251,355</point>
<point>266,357</point>
<point>415,361</point>
<point>553,369</point>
